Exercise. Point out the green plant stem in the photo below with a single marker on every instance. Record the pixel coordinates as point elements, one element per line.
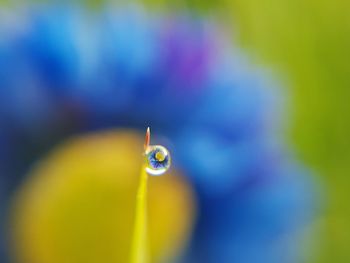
<point>139,238</point>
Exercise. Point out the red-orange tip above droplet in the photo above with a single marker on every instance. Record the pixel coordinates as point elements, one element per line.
<point>147,138</point>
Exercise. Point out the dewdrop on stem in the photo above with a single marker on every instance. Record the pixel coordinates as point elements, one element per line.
<point>158,159</point>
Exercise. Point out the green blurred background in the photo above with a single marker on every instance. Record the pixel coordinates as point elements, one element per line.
<point>308,43</point>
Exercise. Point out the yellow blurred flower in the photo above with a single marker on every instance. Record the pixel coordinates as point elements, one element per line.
<point>77,204</point>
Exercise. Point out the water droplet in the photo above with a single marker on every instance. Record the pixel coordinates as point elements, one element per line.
<point>158,160</point>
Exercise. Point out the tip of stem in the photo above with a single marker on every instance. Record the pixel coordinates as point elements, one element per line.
<point>147,138</point>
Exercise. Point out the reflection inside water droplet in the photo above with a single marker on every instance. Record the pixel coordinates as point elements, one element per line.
<point>157,159</point>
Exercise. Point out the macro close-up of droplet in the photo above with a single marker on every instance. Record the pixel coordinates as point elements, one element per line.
<point>163,131</point>
<point>157,159</point>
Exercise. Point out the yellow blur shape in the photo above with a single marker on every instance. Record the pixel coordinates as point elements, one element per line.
<point>77,204</point>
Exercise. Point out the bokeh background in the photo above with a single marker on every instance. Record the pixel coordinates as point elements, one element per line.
<point>251,97</point>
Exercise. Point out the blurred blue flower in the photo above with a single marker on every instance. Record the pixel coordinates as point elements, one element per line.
<point>64,70</point>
